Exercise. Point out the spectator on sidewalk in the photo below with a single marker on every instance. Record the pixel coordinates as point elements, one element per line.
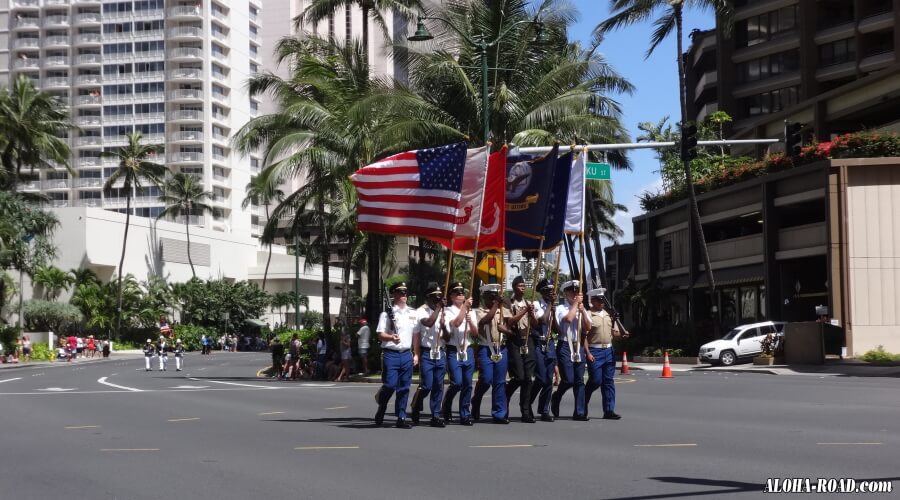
<point>346,356</point>
<point>277,349</point>
<point>106,347</point>
<point>321,358</point>
<point>26,347</point>
<point>363,335</point>
<point>91,346</point>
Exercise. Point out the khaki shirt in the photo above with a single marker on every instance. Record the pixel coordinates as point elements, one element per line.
<point>522,325</point>
<point>490,332</point>
<point>601,328</point>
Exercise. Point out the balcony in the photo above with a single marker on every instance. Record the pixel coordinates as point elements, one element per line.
<point>83,121</point>
<point>186,115</point>
<point>27,23</point>
<point>56,41</point>
<point>56,61</point>
<point>186,12</point>
<point>57,2</point>
<point>186,74</point>
<point>185,157</point>
<point>27,64</point>
<point>56,82</point>
<point>185,32</point>
<point>220,96</point>
<point>149,54</point>
<point>708,80</point>
<point>88,39</point>
<point>220,137</point>
<point>27,43</point>
<point>58,203</point>
<point>34,185</point>
<point>185,53</point>
<point>218,14</point>
<point>186,95</point>
<point>88,141</point>
<point>186,137</point>
<point>221,35</point>
<point>87,80</point>
<point>220,55</point>
<point>56,21</point>
<point>89,202</point>
<point>87,162</point>
<point>88,182</point>
<point>876,22</point>
<point>802,241</point>
<point>219,157</point>
<point>115,140</point>
<point>87,100</point>
<point>26,3</point>
<point>736,251</point>
<point>193,220</point>
<point>88,18</point>
<point>56,184</point>
<point>876,61</point>
<point>88,59</point>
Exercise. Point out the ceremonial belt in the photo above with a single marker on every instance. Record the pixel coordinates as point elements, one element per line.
<point>426,348</point>
<point>600,346</point>
<point>395,350</point>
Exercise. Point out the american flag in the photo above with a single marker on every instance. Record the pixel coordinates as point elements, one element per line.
<point>414,193</point>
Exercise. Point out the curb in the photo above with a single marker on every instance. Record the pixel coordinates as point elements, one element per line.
<point>737,370</point>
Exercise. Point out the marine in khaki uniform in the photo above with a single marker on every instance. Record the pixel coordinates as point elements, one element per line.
<point>601,356</point>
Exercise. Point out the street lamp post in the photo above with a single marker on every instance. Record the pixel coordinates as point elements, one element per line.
<point>481,45</point>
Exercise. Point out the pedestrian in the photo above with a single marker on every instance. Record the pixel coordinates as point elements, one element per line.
<point>72,345</point>
<point>179,355</point>
<point>19,352</point>
<point>601,356</point>
<point>79,347</point>
<point>492,354</point>
<point>162,352</point>
<point>204,344</point>
<point>91,346</point>
<point>521,350</point>
<point>321,356</point>
<point>461,325</point>
<point>26,347</point>
<point>149,351</point>
<point>573,319</point>
<point>106,347</point>
<point>545,349</point>
<point>428,354</point>
<point>346,357</point>
<point>277,349</point>
<point>395,330</point>
<point>363,335</point>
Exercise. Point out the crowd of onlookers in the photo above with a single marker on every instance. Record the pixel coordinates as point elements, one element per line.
<point>73,347</point>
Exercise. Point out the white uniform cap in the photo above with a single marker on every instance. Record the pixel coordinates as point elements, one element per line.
<point>490,288</point>
<point>569,284</point>
<point>597,292</point>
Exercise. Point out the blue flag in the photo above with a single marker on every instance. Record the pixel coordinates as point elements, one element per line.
<point>556,210</point>
<point>528,190</point>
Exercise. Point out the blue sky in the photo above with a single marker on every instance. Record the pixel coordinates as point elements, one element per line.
<point>655,97</point>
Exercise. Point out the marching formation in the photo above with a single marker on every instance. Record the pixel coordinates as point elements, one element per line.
<point>161,350</point>
<point>522,340</point>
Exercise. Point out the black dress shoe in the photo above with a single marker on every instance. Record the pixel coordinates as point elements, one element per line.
<point>611,415</point>
<point>501,420</point>
<point>466,421</point>
<point>547,418</point>
<point>528,419</point>
<point>379,415</point>
<point>554,407</point>
<point>437,422</point>
<point>415,417</point>
<point>402,424</point>
<point>580,418</point>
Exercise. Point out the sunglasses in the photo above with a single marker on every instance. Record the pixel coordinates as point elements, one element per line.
<point>401,292</point>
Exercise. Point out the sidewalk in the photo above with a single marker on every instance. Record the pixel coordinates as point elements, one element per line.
<point>115,355</point>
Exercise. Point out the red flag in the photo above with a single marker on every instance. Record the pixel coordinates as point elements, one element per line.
<point>493,214</point>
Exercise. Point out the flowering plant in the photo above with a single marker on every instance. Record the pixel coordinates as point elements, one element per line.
<point>772,345</point>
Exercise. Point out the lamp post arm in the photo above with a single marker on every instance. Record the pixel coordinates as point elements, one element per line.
<point>453,26</point>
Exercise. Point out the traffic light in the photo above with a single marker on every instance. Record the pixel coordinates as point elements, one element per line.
<point>688,142</point>
<point>793,139</point>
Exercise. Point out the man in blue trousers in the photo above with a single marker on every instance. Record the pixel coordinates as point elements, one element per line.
<point>428,349</point>
<point>395,331</point>
<point>545,348</point>
<point>601,356</point>
<point>460,321</point>
<point>492,354</point>
<point>573,321</point>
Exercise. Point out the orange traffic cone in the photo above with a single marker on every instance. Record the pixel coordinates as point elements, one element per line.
<point>667,369</point>
<point>625,369</point>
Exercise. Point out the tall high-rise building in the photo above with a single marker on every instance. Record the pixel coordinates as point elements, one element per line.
<point>174,70</point>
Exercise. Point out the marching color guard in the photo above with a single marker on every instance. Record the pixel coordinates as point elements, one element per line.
<point>179,355</point>
<point>395,330</point>
<point>492,354</point>
<point>149,351</point>
<point>428,347</point>
<point>460,321</point>
<point>162,352</point>
<point>601,356</point>
<point>573,319</point>
<point>545,349</point>
<point>521,350</point>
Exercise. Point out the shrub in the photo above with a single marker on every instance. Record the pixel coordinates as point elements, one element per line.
<point>879,355</point>
<point>190,335</point>
<point>8,336</point>
<point>43,316</point>
<point>40,352</point>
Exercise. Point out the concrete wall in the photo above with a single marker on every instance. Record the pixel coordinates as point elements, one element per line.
<point>873,220</point>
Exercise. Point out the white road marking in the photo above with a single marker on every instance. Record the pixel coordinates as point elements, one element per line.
<point>232,383</point>
<point>190,419</point>
<point>189,387</point>
<point>271,413</point>
<point>11,379</point>
<point>103,381</point>
<point>317,385</point>
<point>82,426</point>
<point>337,408</point>
<point>327,448</point>
<point>57,389</point>
<point>130,449</point>
<point>850,443</point>
<point>502,446</point>
<point>670,445</point>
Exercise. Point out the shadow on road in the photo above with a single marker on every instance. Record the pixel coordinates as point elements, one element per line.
<point>344,422</point>
<point>724,487</point>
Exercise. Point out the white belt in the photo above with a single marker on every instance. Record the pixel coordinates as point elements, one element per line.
<point>600,346</point>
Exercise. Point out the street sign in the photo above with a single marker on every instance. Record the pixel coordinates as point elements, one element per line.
<point>597,171</point>
<point>490,269</point>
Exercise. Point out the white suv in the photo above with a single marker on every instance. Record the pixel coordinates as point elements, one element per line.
<point>742,342</point>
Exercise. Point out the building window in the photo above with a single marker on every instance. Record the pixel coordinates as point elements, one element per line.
<point>764,27</point>
<point>768,66</point>
<point>837,52</point>
<point>768,102</point>
<point>667,255</point>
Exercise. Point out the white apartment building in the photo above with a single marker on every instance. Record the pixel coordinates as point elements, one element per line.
<point>175,70</point>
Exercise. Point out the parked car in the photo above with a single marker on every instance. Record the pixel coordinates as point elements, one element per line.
<point>742,342</point>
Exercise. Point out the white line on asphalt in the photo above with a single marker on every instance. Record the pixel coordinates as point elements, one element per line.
<point>82,426</point>
<point>851,443</point>
<point>670,445</point>
<point>10,379</point>
<point>271,413</point>
<point>130,449</point>
<point>232,383</point>
<point>337,408</point>
<point>327,448</point>
<point>317,385</point>
<point>103,381</point>
<point>190,419</point>
<point>502,446</point>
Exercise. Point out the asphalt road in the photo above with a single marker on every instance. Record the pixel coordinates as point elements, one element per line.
<point>109,430</point>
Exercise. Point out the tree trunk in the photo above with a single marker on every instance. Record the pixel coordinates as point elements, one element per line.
<point>692,196</point>
<point>187,231</point>
<point>365,31</point>
<point>325,247</point>
<point>373,279</point>
<point>122,263</point>
<point>345,289</point>
<point>268,260</point>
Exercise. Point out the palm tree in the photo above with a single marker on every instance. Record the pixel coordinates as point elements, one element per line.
<point>83,276</point>
<point>263,190</point>
<point>184,196</point>
<point>53,280</point>
<point>662,131</point>
<point>31,126</point>
<point>628,12</point>
<point>133,171</point>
